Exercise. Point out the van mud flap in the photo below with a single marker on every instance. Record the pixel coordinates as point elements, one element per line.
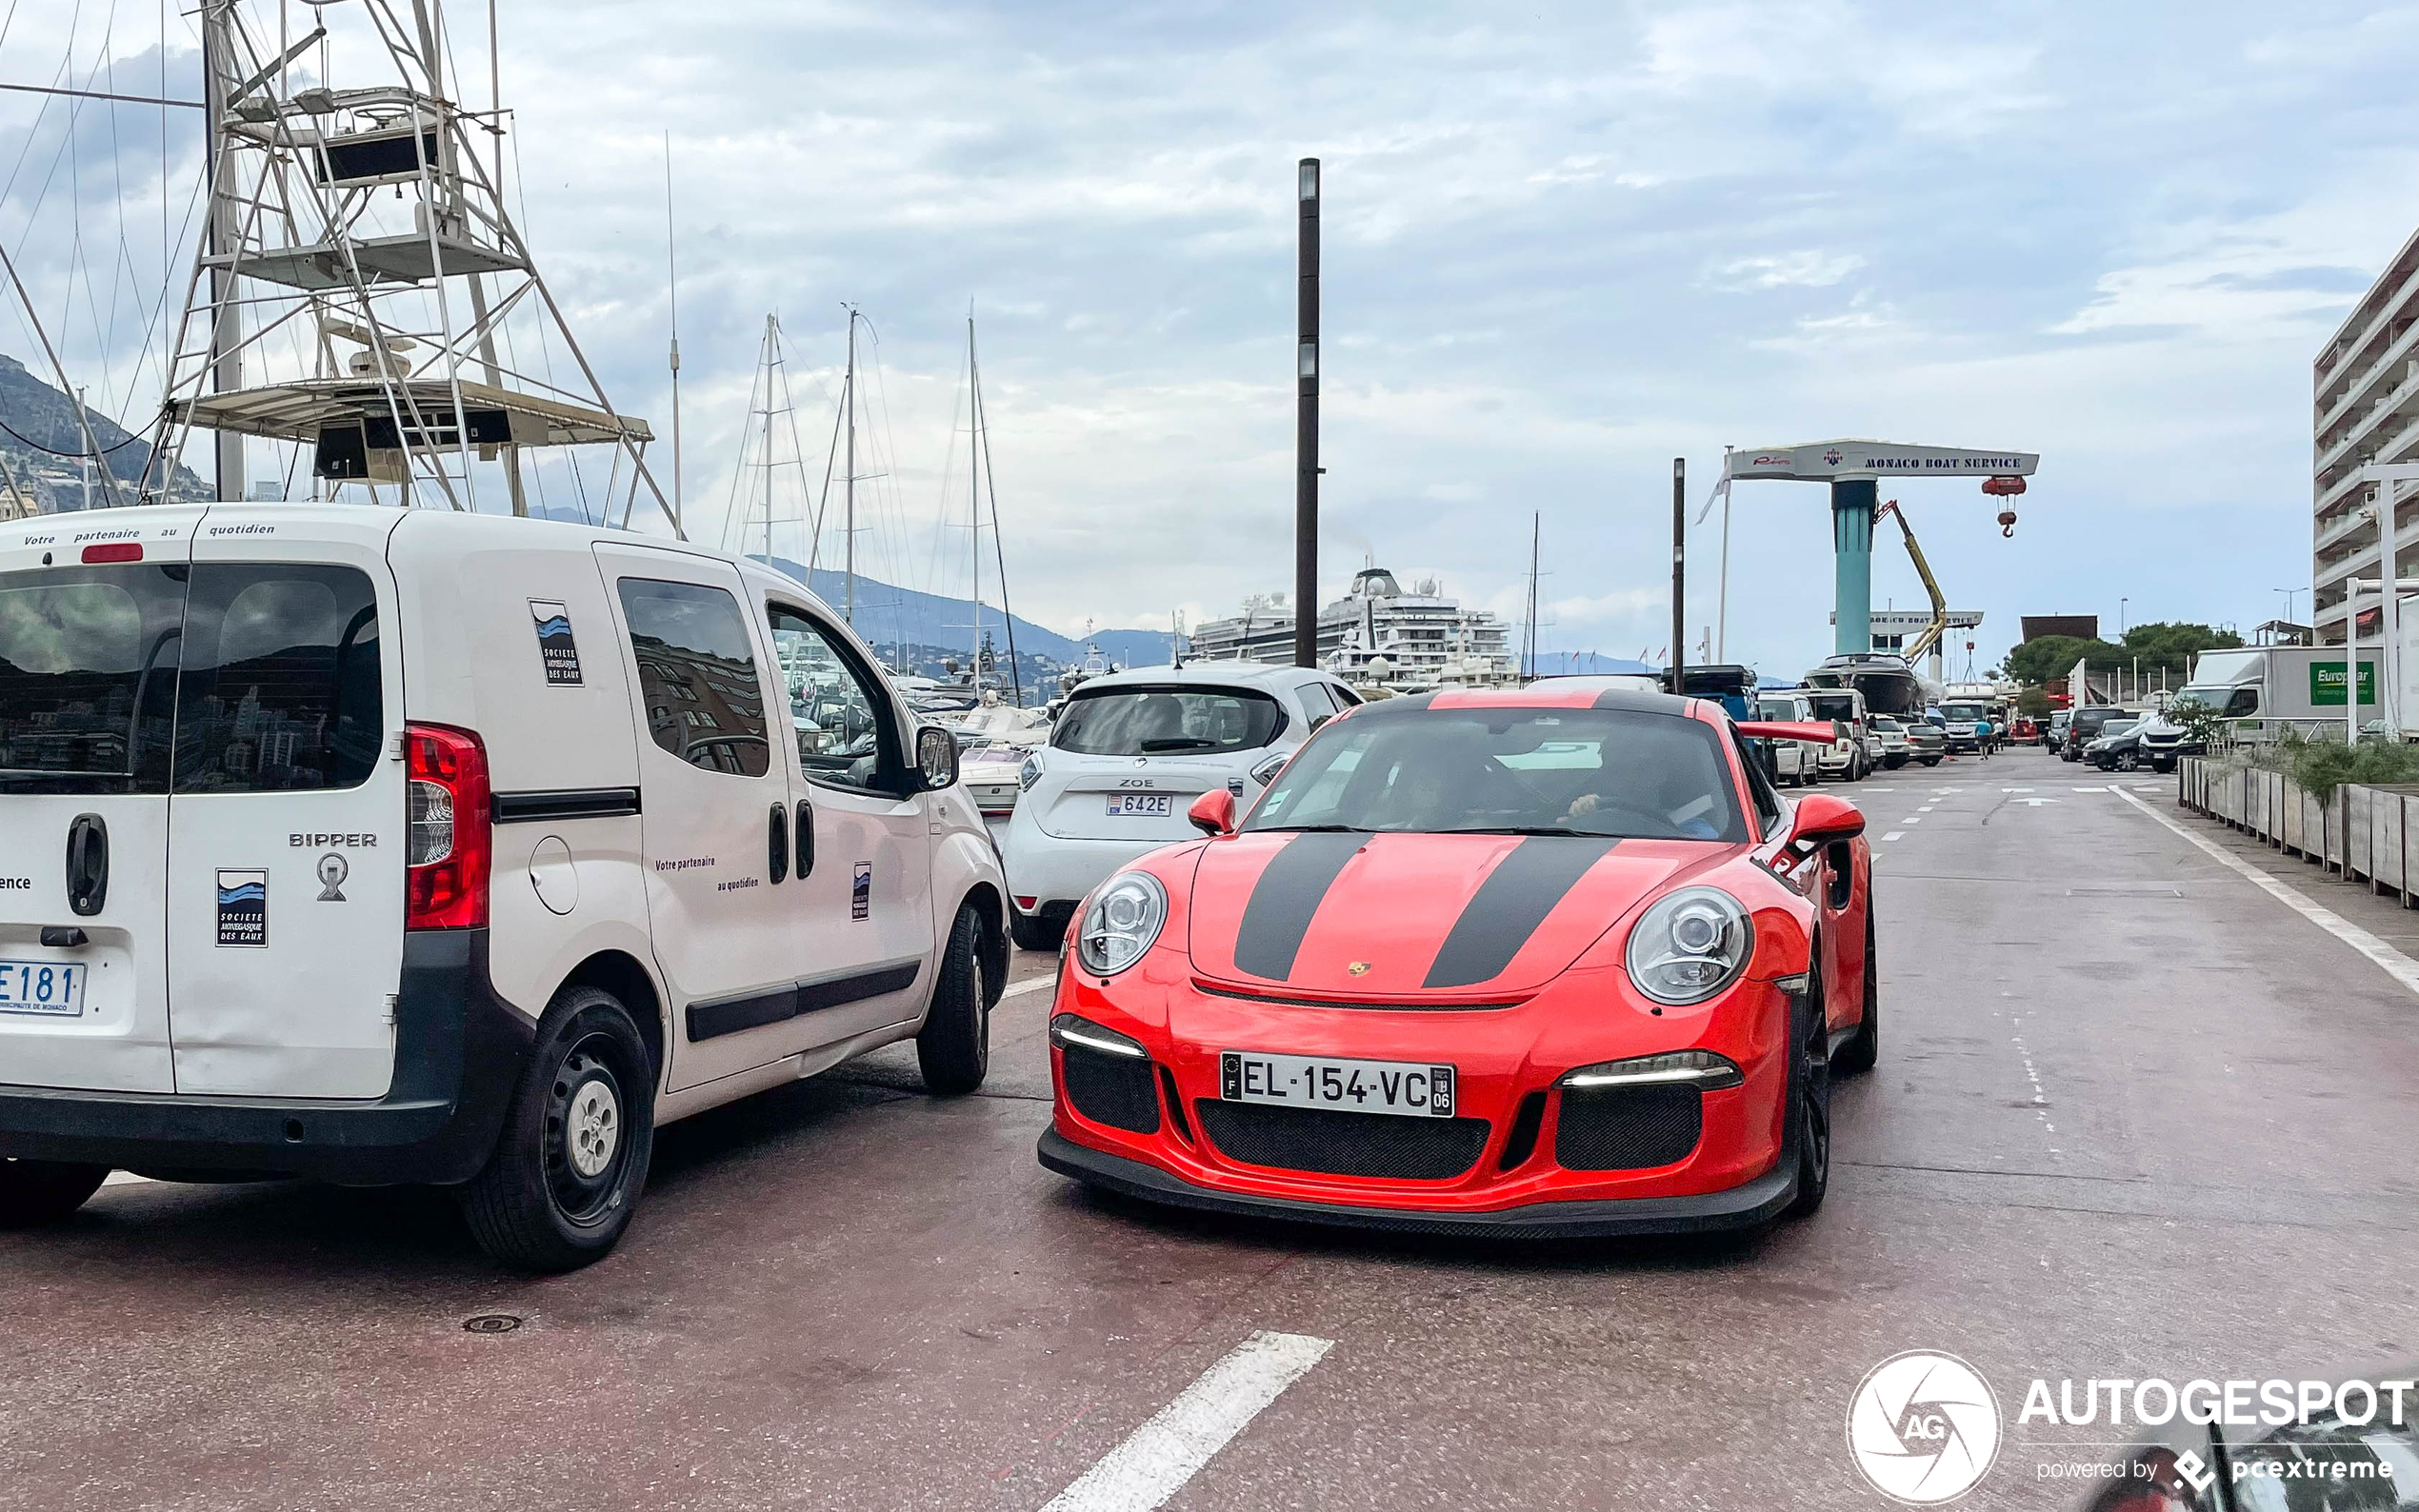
<point>459,1053</point>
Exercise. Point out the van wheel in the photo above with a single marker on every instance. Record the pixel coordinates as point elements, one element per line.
<point>1809,1108</point>
<point>1864,1047</point>
<point>953,1049</point>
<point>1038,931</point>
<point>569,1167</point>
<point>35,1192</point>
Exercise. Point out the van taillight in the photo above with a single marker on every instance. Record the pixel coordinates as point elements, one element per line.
<point>447,843</point>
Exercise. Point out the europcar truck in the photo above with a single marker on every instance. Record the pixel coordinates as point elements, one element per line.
<point>2272,688</point>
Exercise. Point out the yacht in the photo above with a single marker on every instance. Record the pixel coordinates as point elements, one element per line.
<point>1377,634</point>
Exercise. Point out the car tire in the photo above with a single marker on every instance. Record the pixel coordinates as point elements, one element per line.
<point>1893,763</point>
<point>1864,1047</point>
<point>1932,760</point>
<point>953,1049</point>
<point>2163,768</point>
<point>37,1192</point>
<point>1035,932</point>
<point>1810,1108</point>
<point>568,1169</point>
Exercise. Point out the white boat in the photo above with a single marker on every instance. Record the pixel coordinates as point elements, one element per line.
<point>1377,634</point>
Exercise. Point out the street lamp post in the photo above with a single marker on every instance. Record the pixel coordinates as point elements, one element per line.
<point>1306,432</point>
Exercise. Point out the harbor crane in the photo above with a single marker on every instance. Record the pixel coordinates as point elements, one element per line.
<point>1853,467</point>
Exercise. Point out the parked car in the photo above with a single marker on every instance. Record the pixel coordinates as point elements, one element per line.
<point>1329,1012</point>
<point>2084,725</point>
<point>1891,744</point>
<point>2117,748</point>
<point>1790,762</point>
<point>480,850</point>
<point>1129,753</point>
<point>2053,734</point>
<point>1851,757</point>
<point>1926,746</point>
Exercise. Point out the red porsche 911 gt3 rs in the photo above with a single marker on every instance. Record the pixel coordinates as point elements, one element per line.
<point>1551,962</point>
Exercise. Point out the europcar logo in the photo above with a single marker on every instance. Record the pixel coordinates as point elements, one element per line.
<point>1923,1428</point>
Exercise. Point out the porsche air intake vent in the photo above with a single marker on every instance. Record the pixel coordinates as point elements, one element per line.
<point>1310,1138</point>
<point>1627,1128</point>
<point>1112,1090</point>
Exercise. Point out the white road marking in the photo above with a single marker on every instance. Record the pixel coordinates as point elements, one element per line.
<point>1158,1457</point>
<point>2033,803</point>
<point>2016,789</point>
<point>1926,808</point>
<point>2094,789</point>
<point>2385,957</point>
<point>1912,818</point>
<point>1895,834</point>
<point>1037,984</point>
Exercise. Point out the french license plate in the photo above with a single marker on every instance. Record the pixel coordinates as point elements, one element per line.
<point>1406,1088</point>
<point>54,987</point>
<point>1146,804</point>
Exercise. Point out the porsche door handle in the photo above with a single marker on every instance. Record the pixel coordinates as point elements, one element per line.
<point>804,827</point>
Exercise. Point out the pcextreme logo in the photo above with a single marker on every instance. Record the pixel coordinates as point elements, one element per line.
<point>1923,1428</point>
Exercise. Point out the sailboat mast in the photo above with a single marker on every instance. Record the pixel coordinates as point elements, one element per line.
<point>990,478</point>
<point>849,481</point>
<point>772,360</point>
<point>1535,526</point>
<point>975,511</point>
<point>226,336</point>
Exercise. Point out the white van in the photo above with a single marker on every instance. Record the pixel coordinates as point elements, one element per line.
<point>387,846</point>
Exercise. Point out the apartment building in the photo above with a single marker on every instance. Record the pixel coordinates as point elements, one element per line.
<point>2365,388</point>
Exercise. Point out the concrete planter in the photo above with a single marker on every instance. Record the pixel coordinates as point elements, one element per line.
<point>2369,834</point>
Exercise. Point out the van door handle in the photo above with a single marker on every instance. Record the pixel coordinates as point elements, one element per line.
<point>806,838</point>
<point>87,864</point>
<point>777,843</point>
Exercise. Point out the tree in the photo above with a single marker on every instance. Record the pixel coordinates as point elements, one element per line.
<point>2161,645</point>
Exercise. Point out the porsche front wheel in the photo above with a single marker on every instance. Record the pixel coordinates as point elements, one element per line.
<point>1810,1110</point>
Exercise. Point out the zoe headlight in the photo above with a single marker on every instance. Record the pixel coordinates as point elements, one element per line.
<point>1689,945</point>
<point>1029,773</point>
<point>1121,921</point>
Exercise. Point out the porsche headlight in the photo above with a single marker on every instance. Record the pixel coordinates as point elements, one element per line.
<point>1689,945</point>
<point>1121,921</point>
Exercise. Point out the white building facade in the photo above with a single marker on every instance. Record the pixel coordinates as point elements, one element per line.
<point>2365,390</point>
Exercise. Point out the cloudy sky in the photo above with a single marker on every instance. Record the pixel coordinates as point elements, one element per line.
<point>1564,244</point>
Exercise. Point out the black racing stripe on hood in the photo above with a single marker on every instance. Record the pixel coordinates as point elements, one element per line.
<point>1509,905</point>
<point>1285,897</point>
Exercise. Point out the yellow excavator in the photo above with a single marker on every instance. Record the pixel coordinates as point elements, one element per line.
<point>1930,634</point>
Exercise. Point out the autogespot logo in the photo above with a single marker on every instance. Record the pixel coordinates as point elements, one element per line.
<point>1923,1428</point>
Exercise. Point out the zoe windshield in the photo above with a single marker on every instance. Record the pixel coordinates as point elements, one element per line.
<point>1510,771</point>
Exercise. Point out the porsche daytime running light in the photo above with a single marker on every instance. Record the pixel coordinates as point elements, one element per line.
<point>1689,945</point>
<point>1068,1031</point>
<point>1701,1069</point>
<point>1121,921</point>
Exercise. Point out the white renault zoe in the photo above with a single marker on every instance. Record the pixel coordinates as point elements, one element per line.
<point>1129,753</point>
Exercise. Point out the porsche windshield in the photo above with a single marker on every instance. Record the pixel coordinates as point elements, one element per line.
<point>1511,770</point>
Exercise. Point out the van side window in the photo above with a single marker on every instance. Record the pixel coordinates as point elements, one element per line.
<point>837,719</point>
<point>278,688</point>
<point>697,675</point>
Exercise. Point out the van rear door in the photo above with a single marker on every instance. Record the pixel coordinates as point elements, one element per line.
<point>91,609</point>
<point>286,831</point>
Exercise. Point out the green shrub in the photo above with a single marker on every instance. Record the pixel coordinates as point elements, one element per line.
<point>2321,765</point>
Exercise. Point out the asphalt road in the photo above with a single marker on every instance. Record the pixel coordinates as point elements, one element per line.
<point>2133,1118</point>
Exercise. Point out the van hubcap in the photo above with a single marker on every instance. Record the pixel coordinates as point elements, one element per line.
<point>594,1128</point>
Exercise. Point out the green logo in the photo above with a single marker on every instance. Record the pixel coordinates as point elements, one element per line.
<point>2327,683</point>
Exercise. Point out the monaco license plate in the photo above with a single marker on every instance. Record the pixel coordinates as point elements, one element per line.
<point>1148,804</point>
<point>54,987</point>
<point>1408,1089</point>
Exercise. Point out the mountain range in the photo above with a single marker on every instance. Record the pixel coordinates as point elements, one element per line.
<point>887,614</point>
<point>43,444</point>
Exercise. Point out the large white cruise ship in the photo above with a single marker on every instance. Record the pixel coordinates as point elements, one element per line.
<point>1376,633</point>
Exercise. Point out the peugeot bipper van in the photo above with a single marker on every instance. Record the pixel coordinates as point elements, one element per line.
<point>383,846</point>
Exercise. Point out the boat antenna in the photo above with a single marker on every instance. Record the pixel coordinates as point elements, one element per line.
<point>671,282</point>
<point>849,479</point>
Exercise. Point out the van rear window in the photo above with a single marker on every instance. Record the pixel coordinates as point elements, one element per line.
<point>88,661</point>
<point>279,689</point>
<point>248,677</point>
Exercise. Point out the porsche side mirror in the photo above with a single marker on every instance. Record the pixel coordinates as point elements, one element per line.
<point>1822,818</point>
<point>935,758</point>
<point>1212,813</point>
